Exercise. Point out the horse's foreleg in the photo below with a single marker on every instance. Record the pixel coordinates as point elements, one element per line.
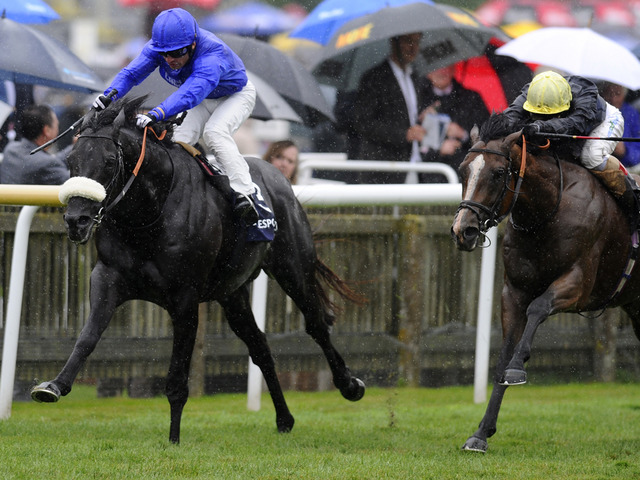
<point>513,319</point>
<point>238,312</point>
<point>185,328</point>
<point>104,298</point>
<point>561,295</point>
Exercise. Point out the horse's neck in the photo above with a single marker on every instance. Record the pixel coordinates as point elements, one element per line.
<point>151,185</point>
<point>540,191</point>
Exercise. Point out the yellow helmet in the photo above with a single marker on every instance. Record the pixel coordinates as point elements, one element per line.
<point>548,93</point>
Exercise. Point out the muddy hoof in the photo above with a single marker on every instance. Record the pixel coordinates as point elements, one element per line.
<point>475,444</point>
<point>514,377</point>
<point>355,390</point>
<point>46,392</point>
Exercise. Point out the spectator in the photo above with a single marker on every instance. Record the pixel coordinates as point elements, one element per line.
<point>442,94</point>
<point>19,96</point>
<point>627,152</point>
<point>284,156</point>
<point>39,125</point>
<point>385,111</point>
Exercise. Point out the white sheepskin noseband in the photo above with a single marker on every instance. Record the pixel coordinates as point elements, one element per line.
<point>81,187</point>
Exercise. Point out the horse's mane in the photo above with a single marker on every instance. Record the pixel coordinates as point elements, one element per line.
<point>129,106</point>
<point>496,126</point>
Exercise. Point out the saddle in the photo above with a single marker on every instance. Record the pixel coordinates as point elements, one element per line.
<point>213,173</point>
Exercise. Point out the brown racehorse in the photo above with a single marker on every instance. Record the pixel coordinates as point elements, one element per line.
<point>566,245</point>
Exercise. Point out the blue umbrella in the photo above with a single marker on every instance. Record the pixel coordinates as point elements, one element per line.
<point>250,19</point>
<point>28,11</point>
<point>325,20</point>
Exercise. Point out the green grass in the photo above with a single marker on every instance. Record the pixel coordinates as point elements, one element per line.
<point>576,431</point>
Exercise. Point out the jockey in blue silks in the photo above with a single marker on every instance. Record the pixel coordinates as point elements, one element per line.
<point>212,86</point>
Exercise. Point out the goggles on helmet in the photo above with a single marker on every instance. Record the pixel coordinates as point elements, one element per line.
<point>180,52</point>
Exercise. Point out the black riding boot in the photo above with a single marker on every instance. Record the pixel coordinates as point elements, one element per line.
<point>245,210</point>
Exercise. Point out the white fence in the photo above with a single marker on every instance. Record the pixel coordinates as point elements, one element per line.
<point>309,195</point>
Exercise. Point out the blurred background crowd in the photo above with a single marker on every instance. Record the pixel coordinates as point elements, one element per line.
<point>107,34</point>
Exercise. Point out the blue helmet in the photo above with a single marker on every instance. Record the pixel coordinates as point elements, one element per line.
<point>173,29</point>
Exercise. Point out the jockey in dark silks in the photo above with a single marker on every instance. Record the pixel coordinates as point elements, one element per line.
<point>571,105</point>
<point>212,86</point>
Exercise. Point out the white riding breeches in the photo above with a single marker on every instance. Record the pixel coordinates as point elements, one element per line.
<point>596,152</point>
<point>216,120</point>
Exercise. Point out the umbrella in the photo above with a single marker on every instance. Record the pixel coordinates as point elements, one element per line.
<point>251,18</point>
<point>31,57</point>
<point>269,104</point>
<point>498,79</point>
<point>28,11</point>
<point>328,16</point>
<point>577,51</point>
<point>449,35</point>
<point>285,74</point>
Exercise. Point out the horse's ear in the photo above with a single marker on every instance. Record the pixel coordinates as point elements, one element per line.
<point>475,134</point>
<point>510,144</point>
<point>119,121</point>
<point>511,139</point>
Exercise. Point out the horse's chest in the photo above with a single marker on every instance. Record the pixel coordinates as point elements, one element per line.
<point>533,263</point>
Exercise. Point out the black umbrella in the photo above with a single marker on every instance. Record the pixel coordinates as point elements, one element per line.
<point>269,104</point>
<point>285,74</point>
<point>29,56</point>
<point>449,34</point>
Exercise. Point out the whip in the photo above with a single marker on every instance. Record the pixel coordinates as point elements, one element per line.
<point>582,137</point>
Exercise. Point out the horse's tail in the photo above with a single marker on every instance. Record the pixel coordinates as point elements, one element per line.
<point>326,276</point>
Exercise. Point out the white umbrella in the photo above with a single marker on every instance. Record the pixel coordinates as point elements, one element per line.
<point>577,51</point>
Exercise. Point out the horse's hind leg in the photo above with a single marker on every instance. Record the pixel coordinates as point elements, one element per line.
<point>297,277</point>
<point>238,312</point>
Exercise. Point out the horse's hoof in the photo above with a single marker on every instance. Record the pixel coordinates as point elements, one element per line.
<point>285,424</point>
<point>475,444</point>
<point>513,376</point>
<point>355,390</point>
<point>46,392</point>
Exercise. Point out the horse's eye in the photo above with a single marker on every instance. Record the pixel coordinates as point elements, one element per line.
<point>498,173</point>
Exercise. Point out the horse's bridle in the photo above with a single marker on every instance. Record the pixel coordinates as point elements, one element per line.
<point>120,156</point>
<point>119,169</point>
<point>493,212</point>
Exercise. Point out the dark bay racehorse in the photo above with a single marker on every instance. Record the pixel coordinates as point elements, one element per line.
<point>172,240</point>
<point>566,245</point>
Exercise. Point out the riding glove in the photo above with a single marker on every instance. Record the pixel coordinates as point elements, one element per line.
<point>144,120</point>
<point>101,102</point>
<point>531,130</point>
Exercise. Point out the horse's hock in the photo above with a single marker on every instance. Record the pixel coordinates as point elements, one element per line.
<point>418,327</point>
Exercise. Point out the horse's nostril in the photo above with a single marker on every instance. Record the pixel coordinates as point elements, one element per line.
<point>81,221</point>
<point>470,233</point>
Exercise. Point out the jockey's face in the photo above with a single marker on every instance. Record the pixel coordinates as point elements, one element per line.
<point>178,63</point>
